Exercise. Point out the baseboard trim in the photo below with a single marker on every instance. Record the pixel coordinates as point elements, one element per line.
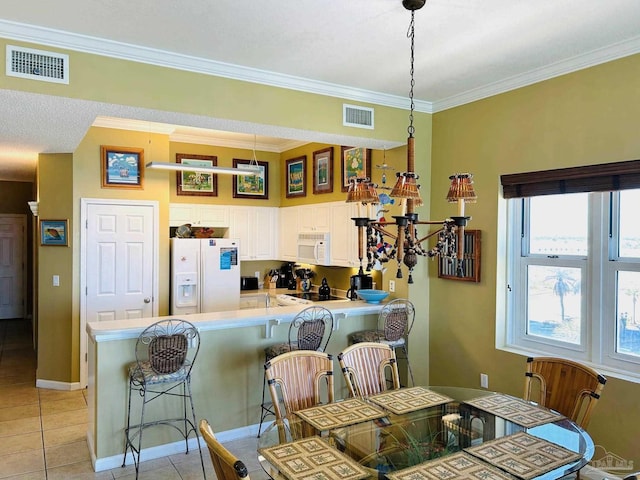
<point>151,453</point>
<point>53,385</point>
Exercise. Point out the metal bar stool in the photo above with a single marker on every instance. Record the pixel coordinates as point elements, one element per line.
<point>165,354</point>
<point>310,330</point>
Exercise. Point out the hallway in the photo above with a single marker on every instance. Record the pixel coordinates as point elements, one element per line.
<point>43,432</point>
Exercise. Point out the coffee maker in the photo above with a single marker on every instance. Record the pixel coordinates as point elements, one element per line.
<point>287,278</point>
<point>360,281</point>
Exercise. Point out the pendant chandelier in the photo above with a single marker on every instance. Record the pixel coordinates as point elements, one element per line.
<point>404,244</point>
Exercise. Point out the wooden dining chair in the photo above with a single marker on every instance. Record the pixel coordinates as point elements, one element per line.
<point>395,322</point>
<point>565,386</point>
<point>302,378</point>
<point>310,330</point>
<point>226,465</point>
<point>368,368</point>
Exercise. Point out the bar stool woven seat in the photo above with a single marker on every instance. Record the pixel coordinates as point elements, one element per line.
<point>310,330</point>
<point>165,354</point>
<point>395,322</point>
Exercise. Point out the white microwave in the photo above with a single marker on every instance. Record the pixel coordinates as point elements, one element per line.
<point>313,248</point>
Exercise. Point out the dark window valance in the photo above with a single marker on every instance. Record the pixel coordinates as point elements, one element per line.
<point>592,178</point>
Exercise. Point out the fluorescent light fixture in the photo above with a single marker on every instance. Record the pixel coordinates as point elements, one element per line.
<point>242,169</point>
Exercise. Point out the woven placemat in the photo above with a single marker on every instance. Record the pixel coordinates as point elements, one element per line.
<point>524,455</point>
<point>407,400</point>
<point>340,414</point>
<point>515,410</point>
<point>459,466</point>
<point>312,459</point>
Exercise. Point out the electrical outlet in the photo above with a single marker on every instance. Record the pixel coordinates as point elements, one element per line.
<point>56,280</point>
<point>392,286</point>
<point>484,380</point>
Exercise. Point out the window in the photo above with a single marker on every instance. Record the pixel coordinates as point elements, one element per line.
<point>573,273</point>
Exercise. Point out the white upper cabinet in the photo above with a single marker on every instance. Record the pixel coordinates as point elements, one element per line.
<point>257,230</point>
<point>288,227</point>
<point>315,217</point>
<point>344,235</point>
<point>198,215</point>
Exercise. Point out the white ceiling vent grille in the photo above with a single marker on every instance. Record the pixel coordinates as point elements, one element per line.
<point>355,116</point>
<point>37,65</point>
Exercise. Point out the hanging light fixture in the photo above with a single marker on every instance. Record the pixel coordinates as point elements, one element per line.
<point>246,169</point>
<point>405,245</point>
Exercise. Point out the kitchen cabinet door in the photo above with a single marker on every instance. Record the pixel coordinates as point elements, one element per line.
<point>198,215</point>
<point>288,238</point>
<point>314,218</point>
<point>256,228</point>
<point>344,235</point>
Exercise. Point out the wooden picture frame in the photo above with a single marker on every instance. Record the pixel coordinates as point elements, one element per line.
<point>251,186</point>
<point>122,167</point>
<point>197,184</point>
<point>323,171</point>
<point>54,233</point>
<point>296,177</point>
<point>471,260</point>
<point>356,162</point>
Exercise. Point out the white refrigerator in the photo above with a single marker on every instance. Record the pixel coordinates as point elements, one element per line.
<point>205,275</point>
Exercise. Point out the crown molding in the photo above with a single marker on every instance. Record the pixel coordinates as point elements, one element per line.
<point>573,64</point>
<point>135,53</point>
<point>119,50</point>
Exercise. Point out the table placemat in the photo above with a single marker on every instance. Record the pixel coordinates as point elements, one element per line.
<point>410,399</point>
<point>459,466</point>
<point>340,414</point>
<point>524,455</point>
<point>515,410</point>
<point>312,459</point>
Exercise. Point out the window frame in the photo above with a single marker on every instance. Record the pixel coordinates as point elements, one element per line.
<point>598,304</point>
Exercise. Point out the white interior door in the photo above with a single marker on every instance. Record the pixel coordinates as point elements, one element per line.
<point>12,266</point>
<point>119,258</point>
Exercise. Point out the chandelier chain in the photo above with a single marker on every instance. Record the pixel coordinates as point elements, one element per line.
<point>411,35</point>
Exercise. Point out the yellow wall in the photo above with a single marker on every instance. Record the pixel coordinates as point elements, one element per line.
<point>587,117</point>
<point>57,328</point>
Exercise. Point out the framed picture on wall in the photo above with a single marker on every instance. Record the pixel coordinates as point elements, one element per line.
<point>356,162</point>
<point>251,186</point>
<point>122,167</point>
<point>323,171</point>
<point>296,180</point>
<point>197,183</point>
<point>54,232</point>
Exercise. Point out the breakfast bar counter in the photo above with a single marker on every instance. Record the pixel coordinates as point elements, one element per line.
<point>227,377</point>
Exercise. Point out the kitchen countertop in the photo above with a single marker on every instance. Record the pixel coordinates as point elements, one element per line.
<point>266,316</point>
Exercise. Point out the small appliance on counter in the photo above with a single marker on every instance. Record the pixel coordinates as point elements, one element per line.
<point>324,292</point>
<point>249,283</point>
<point>359,282</point>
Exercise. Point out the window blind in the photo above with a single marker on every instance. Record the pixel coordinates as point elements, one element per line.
<point>591,178</point>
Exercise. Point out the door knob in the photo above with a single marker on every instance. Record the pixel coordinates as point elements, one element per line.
<point>147,300</point>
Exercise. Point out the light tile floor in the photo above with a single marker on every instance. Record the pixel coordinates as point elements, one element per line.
<point>43,432</point>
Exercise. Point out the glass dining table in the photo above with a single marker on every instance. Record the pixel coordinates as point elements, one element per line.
<point>433,432</point>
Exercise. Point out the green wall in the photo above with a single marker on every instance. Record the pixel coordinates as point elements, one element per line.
<point>587,117</point>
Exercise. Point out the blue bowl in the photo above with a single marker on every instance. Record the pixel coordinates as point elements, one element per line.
<point>372,296</point>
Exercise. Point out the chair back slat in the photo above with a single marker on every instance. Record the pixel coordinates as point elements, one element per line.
<point>368,367</point>
<point>299,376</point>
<point>565,386</point>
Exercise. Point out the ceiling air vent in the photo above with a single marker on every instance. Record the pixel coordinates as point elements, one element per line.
<point>354,116</point>
<point>37,65</point>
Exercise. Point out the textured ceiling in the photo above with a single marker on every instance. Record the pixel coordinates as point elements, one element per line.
<point>465,50</point>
